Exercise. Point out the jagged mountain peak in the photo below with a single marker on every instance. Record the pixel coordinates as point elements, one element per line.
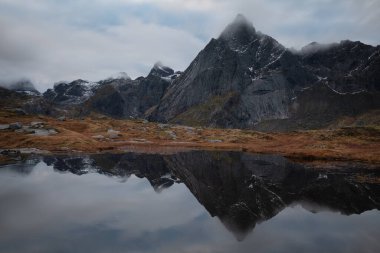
<point>159,69</point>
<point>121,75</point>
<point>240,34</point>
<point>241,30</point>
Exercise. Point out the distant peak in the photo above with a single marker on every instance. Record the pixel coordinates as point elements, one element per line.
<point>121,75</point>
<point>158,65</point>
<point>159,69</point>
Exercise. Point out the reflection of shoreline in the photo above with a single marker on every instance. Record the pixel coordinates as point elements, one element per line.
<point>240,189</point>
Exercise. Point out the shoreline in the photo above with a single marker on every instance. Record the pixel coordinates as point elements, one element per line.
<point>105,135</point>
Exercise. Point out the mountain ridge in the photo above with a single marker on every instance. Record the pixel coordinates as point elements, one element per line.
<point>242,79</point>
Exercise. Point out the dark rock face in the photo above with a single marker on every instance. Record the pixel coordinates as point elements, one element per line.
<point>245,77</point>
<point>347,66</point>
<point>253,74</point>
<point>75,92</point>
<point>119,97</point>
<point>131,98</point>
<point>240,189</point>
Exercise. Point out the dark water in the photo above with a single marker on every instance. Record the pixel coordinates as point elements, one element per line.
<point>187,202</point>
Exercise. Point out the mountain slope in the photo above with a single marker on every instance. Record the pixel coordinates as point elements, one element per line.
<point>254,74</point>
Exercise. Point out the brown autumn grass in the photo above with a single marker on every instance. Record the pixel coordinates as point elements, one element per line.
<point>345,144</point>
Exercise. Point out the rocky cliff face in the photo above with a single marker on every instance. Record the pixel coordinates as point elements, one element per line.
<point>239,79</point>
<point>347,66</point>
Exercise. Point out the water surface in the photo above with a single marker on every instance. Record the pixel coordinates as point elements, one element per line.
<point>198,201</point>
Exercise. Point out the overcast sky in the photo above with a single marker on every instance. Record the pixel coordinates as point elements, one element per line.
<point>53,40</point>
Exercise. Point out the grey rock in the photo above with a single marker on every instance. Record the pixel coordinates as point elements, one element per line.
<point>4,126</point>
<point>113,134</point>
<point>62,118</point>
<point>215,141</point>
<point>172,134</point>
<point>98,137</point>
<point>44,132</point>
<point>37,124</point>
<point>15,126</point>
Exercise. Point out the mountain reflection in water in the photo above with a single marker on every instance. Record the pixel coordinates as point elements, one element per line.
<point>240,189</point>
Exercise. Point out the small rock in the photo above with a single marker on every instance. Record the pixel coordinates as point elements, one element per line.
<point>62,118</point>
<point>215,141</point>
<point>37,124</point>
<point>52,131</point>
<point>32,151</point>
<point>15,126</point>
<point>162,125</point>
<point>4,127</point>
<point>98,137</point>
<point>172,134</point>
<point>44,132</point>
<point>113,134</point>
<point>145,121</point>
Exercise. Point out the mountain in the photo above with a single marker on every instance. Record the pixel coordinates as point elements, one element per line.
<point>125,98</point>
<point>245,78</point>
<point>119,96</point>
<point>242,79</point>
<point>75,92</point>
<point>239,79</point>
<point>23,86</point>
